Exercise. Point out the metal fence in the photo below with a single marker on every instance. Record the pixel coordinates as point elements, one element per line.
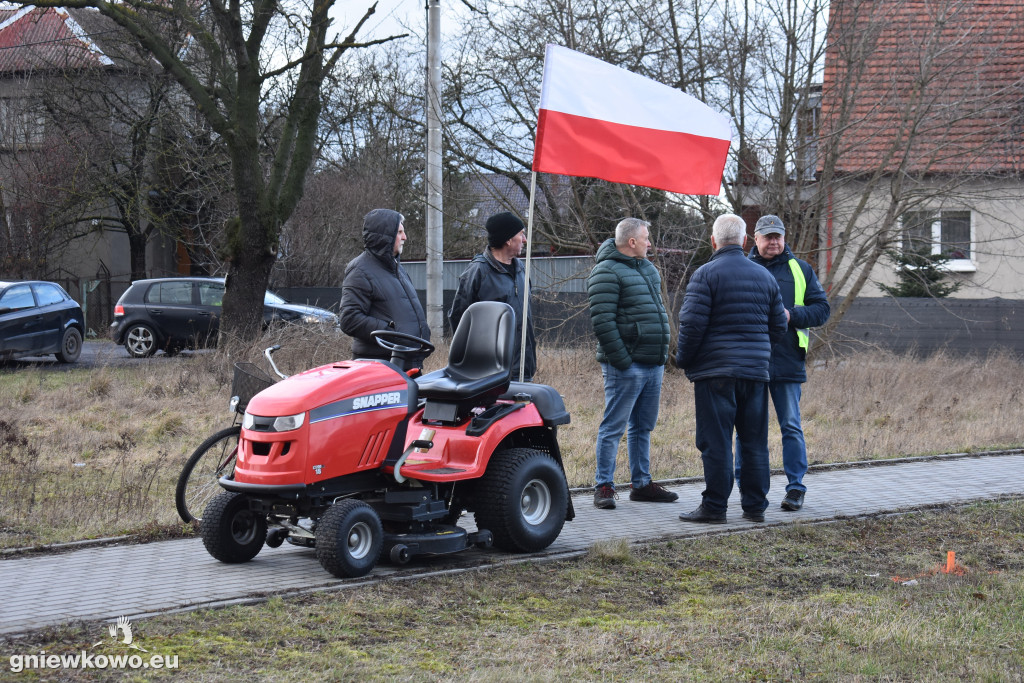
<point>957,326</point>
<point>551,274</point>
<point>96,296</point>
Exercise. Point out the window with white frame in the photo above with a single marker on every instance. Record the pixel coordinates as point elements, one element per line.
<point>944,233</point>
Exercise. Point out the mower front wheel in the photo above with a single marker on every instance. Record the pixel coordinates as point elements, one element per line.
<point>233,533</point>
<point>522,500</point>
<point>349,538</point>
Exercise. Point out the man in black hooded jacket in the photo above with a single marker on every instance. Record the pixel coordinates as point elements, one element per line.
<point>377,293</point>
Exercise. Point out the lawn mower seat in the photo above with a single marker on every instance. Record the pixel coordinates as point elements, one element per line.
<point>479,364</point>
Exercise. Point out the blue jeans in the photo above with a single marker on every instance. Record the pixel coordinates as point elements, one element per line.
<point>631,399</point>
<point>786,399</point>
<point>724,404</point>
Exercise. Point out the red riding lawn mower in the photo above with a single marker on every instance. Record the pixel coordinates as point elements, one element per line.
<point>358,459</point>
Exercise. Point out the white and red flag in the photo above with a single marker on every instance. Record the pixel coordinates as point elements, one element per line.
<point>600,121</point>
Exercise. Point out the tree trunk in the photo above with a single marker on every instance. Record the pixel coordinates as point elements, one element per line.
<point>252,242</point>
<point>137,252</point>
<point>242,312</point>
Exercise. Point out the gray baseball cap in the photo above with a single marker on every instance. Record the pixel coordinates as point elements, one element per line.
<point>769,225</point>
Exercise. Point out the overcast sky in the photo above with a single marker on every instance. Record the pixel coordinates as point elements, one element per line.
<point>390,18</point>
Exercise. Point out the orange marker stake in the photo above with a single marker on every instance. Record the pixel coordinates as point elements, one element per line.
<point>950,562</point>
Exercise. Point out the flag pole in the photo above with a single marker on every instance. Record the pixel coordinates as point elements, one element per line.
<point>526,288</point>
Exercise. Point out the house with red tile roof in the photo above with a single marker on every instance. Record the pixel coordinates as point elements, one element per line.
<point>921,142</point>
<point>59,70</point>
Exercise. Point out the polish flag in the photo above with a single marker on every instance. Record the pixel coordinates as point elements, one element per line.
<point>599,121</point>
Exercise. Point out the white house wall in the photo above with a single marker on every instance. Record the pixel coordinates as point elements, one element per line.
<point>997,229</point>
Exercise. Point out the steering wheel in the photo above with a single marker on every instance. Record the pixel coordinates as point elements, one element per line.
<point>390,341</point>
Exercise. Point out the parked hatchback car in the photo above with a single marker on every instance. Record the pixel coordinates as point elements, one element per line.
<point>184,312</point>
<point>39,318</point>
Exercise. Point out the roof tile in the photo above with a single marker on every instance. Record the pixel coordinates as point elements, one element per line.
<point>34,39</point>
<point>938,84</point>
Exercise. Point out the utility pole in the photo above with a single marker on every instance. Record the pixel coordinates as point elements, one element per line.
<point>435,224</point>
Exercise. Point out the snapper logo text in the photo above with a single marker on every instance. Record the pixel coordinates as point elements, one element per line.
<point>376,400</point>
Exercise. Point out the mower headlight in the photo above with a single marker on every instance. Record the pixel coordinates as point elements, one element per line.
<point>288,422</point>
<point>285,423</point>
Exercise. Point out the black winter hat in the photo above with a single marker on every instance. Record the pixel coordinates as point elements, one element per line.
<point>501,227</point>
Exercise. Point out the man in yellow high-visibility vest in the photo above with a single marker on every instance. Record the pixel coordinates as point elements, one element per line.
<point>806,306</point>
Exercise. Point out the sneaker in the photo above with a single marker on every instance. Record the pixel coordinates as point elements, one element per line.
<point>702,516</point>
<point>793,501</point>
<point>604,497</point>
<point>653,493</point>
<point>752,516</point>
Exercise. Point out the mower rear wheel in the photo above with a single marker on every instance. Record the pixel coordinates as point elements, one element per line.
<point>232,532</point>
<point>522,500</point>
<point>349,538</point>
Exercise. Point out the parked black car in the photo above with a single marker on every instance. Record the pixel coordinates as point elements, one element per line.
<point>184,312</point>
<point>39,318</point>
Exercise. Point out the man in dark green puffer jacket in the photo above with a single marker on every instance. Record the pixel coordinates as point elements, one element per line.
<point>632,330</point>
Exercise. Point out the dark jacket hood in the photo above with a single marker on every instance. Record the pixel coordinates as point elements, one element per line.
<point>380,227</point>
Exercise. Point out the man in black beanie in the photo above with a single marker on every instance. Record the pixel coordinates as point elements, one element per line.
<point>498,275</point>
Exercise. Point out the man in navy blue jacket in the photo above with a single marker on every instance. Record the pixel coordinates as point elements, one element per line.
<point>807,305</point>
<point>732,314</point>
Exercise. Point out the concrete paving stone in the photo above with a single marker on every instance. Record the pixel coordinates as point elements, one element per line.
<point>105,582</point>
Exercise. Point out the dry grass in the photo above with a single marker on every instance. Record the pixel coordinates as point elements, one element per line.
<point>864,407</point>
<point>879,405</point>
<point>89,453</point>
<point>94,453</point>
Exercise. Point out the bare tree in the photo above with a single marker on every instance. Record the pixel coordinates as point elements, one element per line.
<point>114,123</point>
<point>241,57</point>
<point>36,217</point>
<point>325,232</point>
<point>493,78</point>
<point>370,156</point>
<point>854,115</point>
<point>922,113</point>
<point>116,151</point>
<point>849,116</point>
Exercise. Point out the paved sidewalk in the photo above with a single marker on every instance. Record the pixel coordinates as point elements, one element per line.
<point>137,580</point>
